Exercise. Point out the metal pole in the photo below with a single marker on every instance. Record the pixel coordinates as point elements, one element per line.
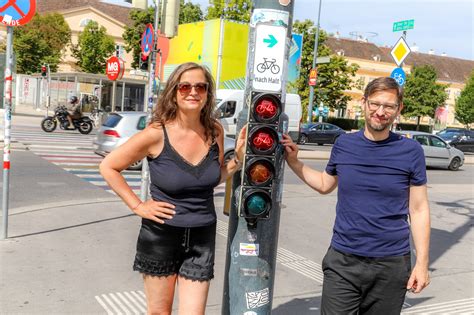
<point>6,131</point>
<point>315,56</point>
<point>219,53</point>
<point>250,275</point>
<point>151,77</point>
<point>48,91</point>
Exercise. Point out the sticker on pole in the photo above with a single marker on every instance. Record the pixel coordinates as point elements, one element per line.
<point>400,51</point>
<point>148,38</point>
<point>16,12</point>
<point>269,57</point>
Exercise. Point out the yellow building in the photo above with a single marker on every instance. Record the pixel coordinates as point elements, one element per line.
<point>375,61</point>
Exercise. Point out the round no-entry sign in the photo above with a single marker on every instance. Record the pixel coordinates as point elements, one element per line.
<point>16,12</point>
<point>114,68</point>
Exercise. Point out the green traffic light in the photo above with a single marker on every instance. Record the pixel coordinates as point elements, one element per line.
<point>256,204</point>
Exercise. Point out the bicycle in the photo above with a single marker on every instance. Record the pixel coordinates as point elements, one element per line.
<point>266,64</point>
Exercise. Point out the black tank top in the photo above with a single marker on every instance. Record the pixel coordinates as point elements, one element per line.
<point>189,187</point>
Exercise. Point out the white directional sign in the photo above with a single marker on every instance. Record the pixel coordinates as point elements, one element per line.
<point>269,57</point>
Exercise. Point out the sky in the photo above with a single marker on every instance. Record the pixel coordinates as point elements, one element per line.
<point>446,26</point>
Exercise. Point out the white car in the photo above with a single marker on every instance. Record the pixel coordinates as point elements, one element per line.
<point>438,153</point>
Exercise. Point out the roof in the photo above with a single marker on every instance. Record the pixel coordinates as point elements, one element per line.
<point>448,69</point>
<point>118,12</point>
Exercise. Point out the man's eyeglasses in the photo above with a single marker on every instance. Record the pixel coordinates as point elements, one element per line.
<point>186,87</point>
<point>387,107</point>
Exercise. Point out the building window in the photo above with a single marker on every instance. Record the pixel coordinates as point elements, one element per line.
<point>84,22</point>
<point>119,51</point>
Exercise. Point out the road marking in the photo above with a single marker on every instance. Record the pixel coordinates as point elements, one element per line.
<point>295,262</point>
<point>464,306</point>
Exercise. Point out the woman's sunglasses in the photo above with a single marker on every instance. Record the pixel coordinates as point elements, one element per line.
<point>186,87</point>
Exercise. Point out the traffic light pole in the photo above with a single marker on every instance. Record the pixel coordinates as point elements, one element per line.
<point>151,77</point>
<point>315,56</point>
<point>6,130</point>
<point>254,216</point>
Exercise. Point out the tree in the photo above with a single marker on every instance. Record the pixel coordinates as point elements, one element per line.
<point>93,48</point>
<point>236,10</point>
<point>189,12</point>
<point>333,77</point>
<point>422,94</point>
<point>40,41</point>
<point>133,34</point>
<point>464,112</point>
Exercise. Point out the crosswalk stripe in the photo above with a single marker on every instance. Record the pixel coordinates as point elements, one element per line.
<point>464,306</point>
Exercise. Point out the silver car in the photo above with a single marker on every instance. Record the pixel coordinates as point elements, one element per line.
<point>120,126</point>
<point>438,153</point>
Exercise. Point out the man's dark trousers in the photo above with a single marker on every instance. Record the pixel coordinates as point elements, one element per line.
<point>364,285</point>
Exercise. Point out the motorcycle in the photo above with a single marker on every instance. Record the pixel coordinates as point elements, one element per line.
<point>49,124</point>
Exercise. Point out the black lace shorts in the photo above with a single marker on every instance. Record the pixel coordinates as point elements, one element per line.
<point>164,250</point>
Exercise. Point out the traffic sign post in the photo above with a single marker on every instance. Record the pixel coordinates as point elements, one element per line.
<point>12,13</point>
<point>255,204</point>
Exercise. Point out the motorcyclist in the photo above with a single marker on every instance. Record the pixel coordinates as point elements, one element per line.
<point>74,110</point>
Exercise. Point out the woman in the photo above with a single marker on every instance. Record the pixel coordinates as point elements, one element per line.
<point>184,146</point>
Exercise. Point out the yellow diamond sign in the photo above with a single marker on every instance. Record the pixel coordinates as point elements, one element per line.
<point>400,51</point>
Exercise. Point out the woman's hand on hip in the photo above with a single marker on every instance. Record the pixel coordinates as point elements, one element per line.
<point>155,210</point>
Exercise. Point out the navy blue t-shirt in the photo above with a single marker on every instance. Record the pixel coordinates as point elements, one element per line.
<point>374,179</point>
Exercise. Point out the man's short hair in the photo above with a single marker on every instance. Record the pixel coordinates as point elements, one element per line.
<point>383,84</point>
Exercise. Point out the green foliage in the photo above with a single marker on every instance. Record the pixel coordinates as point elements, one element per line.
<point>333,77</point>
<point>344,123</point>
<point>464,112</point>
<point>407,126</point>
<point>133,34</point>
<point>93,48</point>
<point>422,94</point>
<point>236,10</point>
<point>40,41</point>
<point>189,12</point>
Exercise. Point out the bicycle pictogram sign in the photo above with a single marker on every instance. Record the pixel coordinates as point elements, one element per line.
<point>268,65</point>
<point>16,12</point>
<point>399,75</point>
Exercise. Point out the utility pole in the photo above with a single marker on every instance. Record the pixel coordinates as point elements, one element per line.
<point>254,216</point>
<point>149,109</point>
<point>315,56</point>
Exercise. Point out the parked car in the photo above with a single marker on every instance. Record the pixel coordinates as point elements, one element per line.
<point>120,126</point>
<point>438,153</point>
<point>319,133</point>
<point>459,138</point>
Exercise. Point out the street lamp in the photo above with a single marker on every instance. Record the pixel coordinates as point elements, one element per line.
<point>315,56</point>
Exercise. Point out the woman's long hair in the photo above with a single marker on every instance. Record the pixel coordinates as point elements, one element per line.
<point>167,107</point>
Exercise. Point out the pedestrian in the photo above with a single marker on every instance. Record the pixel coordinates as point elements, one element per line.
<point>184,148</point>
<point>382,195</point>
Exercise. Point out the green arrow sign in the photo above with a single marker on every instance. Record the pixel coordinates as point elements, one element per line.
<point>271,41</point>
<point>403,25</point>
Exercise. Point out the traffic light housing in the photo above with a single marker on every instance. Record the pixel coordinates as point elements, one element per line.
<point>262,149</point>
<point>144,61</point>
<point>44,71</point>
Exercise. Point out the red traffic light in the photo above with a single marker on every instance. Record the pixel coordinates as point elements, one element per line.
<point>266,108</point>
<point>260,171</point>
<point>44,70</point>
<point>263,140</point>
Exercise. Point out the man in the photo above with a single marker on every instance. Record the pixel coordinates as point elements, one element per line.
<point>382,194</point>
<point>74,110</point>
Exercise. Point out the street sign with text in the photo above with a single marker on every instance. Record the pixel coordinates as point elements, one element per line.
<point>16,13</point>
<point>403,25</point>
